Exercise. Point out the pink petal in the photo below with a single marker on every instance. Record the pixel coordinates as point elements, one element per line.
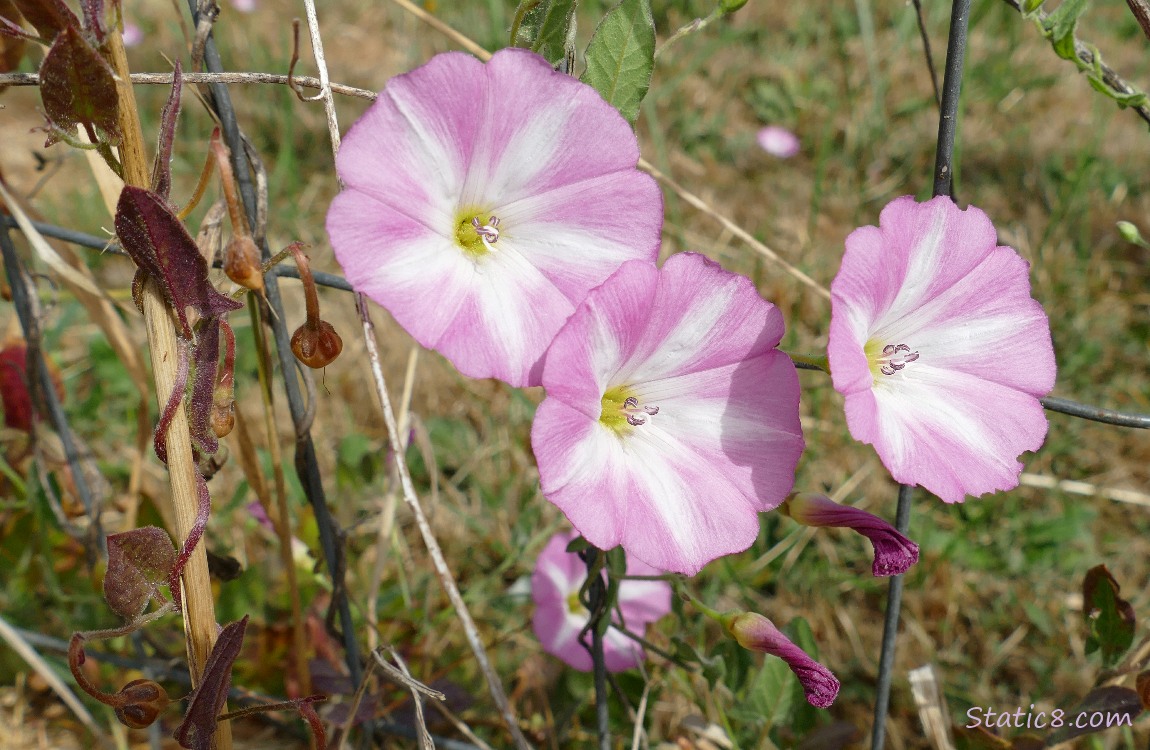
<point>686,487</point>
<point>513,139</point>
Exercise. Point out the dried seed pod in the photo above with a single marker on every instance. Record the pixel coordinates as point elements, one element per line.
<point>142,703</point>
<point>316,344</point>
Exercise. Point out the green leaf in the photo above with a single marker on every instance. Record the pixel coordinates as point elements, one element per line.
<point>621,56</point>
<point>1109,617</point>
<point>556,28</point>
<point>770,695</point>
<point>1060,26</point>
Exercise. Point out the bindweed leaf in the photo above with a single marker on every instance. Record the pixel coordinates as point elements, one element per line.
<point>554,27</point>
<point>163,249</point>
<point>1102,708</point>
<point>162,169</point>
<point>205,361</point>
<point>199,724</point>
<point>621,56</point>
<point>48,17</point>
<point>1109,617</point>
<point>770,697</point>
<point>78,88</point>
<point>1060,26</point>
<point>139,562</point>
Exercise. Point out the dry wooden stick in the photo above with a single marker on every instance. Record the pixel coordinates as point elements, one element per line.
<point>199,609</point>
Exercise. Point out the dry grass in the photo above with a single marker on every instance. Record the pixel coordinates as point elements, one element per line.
<point>992,603</point>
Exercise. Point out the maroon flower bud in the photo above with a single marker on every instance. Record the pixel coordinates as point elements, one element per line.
<point>756,633</point>
<point>893,552</point>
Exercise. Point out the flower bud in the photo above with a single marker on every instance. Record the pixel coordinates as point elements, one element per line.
<point>316,345</point>
<point>756,633</point>
<point>893,552</point>
<point>140,703</point>
<point>730,6</point>
<point>1130,233</point>
<point>223,416</point>
<point>242,263</point>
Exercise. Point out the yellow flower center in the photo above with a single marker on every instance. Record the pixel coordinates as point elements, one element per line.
<point>888,359</point>
<point>620,410</point>
<point>574,606</point>
<point>476,231</point>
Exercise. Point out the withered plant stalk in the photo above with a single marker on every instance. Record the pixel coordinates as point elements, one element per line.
<point>198,607</point>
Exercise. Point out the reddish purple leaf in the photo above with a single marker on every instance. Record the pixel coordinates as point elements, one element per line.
<point>163,249</point>
<point>162,169</point>
<point>200,407</point>
<point>199,724</point>
<point>78,88</point>
<point>139,562</point>
<point>48,17</point>
<point>1109,618</point>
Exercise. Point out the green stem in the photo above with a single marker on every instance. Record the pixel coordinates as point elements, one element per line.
<point>817,361</point>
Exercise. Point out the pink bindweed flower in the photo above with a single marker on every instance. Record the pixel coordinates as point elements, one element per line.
<point>757,633</point>
<point>483,202</point>
<point>670,420</point>
<point>560,617</point>
<point>245,6</point>
<point>893,552</point>
<point>939,349</point>
<point>133,35</point>
<point>778,141</point>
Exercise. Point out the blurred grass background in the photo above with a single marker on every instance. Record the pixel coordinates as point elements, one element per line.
<point>995,601</point>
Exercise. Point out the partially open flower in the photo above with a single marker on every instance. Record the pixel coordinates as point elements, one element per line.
<point>757,633</point>
<point>893,552</point>
<point>939,349</point>
<point>671,420</point>
<point>560,617</point>
<point>484,201</point>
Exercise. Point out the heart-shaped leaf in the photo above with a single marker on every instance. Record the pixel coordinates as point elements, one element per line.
<point>78,88</point>
<point>139,562</point>
<point>163,249</point>
<point>621,56</point>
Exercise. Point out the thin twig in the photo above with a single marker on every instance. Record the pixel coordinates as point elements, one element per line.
<point>926,52</point>
<point>334,281</point>
<point>446,578</point>
<point>165,79</point>
<point>1109,76</point>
